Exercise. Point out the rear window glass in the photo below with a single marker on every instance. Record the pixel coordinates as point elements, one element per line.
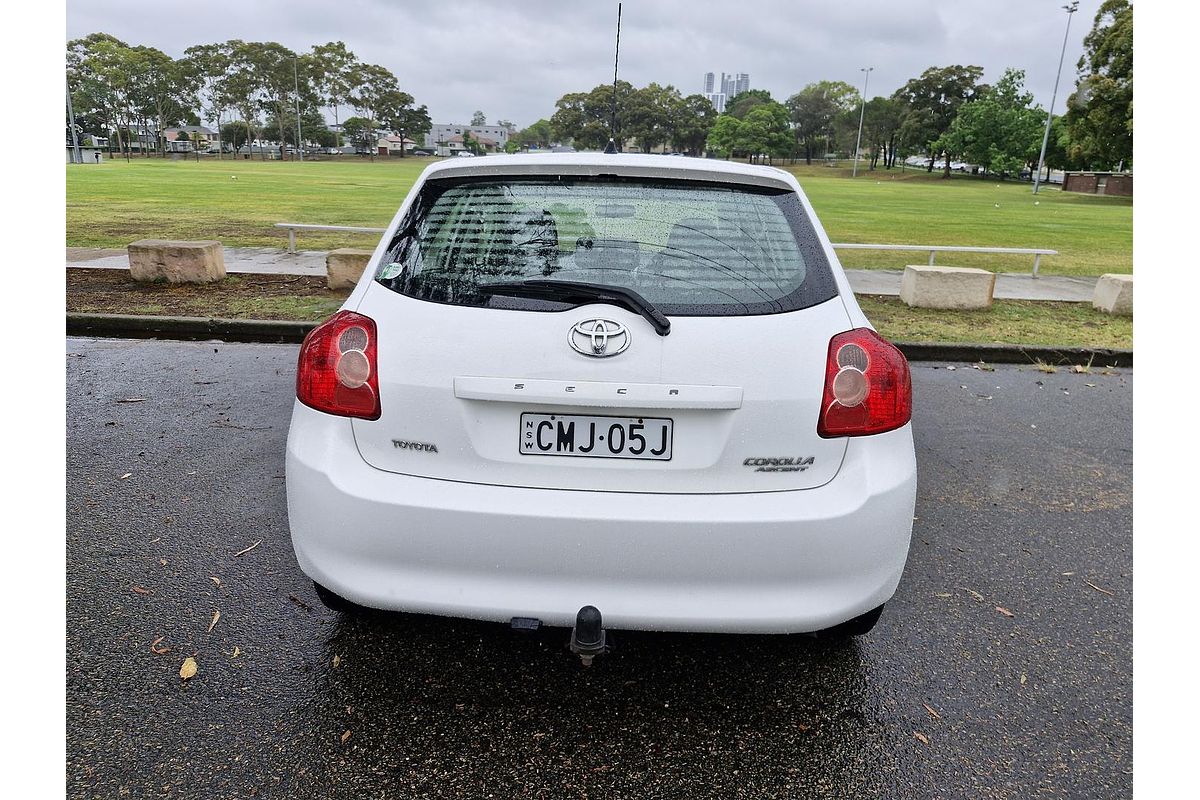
<point>690,248</point>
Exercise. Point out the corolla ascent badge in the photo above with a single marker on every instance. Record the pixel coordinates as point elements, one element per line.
<point>599,338</point>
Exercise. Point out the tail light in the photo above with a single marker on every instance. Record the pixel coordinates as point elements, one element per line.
<point>337,370</point>
<point>867,386</point>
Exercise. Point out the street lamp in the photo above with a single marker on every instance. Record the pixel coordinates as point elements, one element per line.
<point>296,83</point>
<point>1070,8</point>
<point>861,114</point>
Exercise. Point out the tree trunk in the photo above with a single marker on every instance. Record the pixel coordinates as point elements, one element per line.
<point>946,174</point>
<point>807,153</point>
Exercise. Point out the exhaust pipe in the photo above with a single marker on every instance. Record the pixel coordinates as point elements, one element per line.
<point>588,638</point>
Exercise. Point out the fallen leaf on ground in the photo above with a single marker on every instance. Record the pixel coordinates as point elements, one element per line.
<point>237,651</point>
<point>142,590</point>
<point>248,549</point>
<point>1005,611</point>
<point>1108,592</point>
<point>973,593</point>
<point>922,738</point>
<point>188,670</point>
<point>215,579</point>
<point>154,648</point>
<point>336,660</point>
<point>162,561</point>
<point>345,736</point>
<point>1023,679</point>
<point>942,594</point>
<point>300,602</point>
<point>932,713</point>
<point>126,475</point>
<point>216,617</point>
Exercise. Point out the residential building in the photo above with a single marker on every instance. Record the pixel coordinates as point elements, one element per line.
<point>390,145</point>
<point>441,135</point>
<point>731,85</point>
<point>198,138</point>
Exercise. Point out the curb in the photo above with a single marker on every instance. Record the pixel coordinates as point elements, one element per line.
<point>128,326</point>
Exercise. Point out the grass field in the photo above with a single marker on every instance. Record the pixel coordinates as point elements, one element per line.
<point>114,203</point>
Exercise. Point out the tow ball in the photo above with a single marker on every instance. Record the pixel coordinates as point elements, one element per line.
<point>588,638</point>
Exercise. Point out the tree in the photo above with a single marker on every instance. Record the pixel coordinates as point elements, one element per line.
<point>207,66</point>
<point>537,135</point>
<point>235,134</point>
<point>360,133</point>
<point>334,71</point>
<point>882,118</point>
<point>478,119</point>
<point>99,84</point>
<point>166,93</point>
<point>690,120</point>
<point>648,115</point>
<point>814,111</point>
<point>586,119</point>
<point>723,137</point>
<point>765,130</point>
<point>377,95</point>
<point>999,130</point>
<point>740,105</point>
<point>932,102</point>
<point>1100,112</point>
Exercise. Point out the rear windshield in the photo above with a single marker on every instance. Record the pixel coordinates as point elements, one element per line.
<point>690,248</point>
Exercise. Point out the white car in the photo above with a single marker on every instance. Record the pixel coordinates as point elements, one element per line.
<point>620,391</point>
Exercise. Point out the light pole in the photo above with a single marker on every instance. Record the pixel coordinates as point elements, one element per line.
<point>76,155</point>
<point>861,114</point>
<point>296,84</point>
<point>1070,8</point>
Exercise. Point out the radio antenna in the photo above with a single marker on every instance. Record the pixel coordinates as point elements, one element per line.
<point>612,141</point>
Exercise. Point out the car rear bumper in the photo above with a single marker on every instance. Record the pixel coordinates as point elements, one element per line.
<point>769,562</point>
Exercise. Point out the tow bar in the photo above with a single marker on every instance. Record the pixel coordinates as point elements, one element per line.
<point>588,638</point>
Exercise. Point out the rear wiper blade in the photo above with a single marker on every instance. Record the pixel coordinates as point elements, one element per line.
<point>581,291</point>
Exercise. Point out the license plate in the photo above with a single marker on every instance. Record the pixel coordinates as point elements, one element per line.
<point>596,437</point>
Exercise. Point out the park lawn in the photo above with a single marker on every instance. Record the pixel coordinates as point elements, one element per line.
<point>1093,234</point>
<point>114,203</point>
<point>1006,322</point>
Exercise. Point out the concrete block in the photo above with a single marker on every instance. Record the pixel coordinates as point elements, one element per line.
<point>1114,294</point>
<point>176,262</point>
<point>924,286</point>
<point>344,266</point>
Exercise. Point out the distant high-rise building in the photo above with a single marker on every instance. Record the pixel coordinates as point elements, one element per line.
<point>730,87</point>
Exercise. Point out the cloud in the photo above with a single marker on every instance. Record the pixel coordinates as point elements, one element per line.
<point>513,60</point>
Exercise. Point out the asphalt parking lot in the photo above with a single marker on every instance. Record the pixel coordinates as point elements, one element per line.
<point>1001,669</point>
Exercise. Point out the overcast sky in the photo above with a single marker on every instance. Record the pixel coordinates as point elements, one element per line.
<point>513,59</point>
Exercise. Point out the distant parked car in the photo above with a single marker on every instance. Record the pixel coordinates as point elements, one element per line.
<point>465,154</point>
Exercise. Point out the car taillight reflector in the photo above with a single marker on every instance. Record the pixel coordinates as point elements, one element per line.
<point>337,372</point>
<point>868,388</point>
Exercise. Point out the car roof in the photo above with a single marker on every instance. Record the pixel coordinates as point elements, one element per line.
<point>631,164</point>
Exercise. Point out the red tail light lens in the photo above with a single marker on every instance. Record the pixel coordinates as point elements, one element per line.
<point>868,388</point>
<point>337,371</point>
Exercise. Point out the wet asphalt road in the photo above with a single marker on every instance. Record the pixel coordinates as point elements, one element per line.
<point>1024,499</point>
